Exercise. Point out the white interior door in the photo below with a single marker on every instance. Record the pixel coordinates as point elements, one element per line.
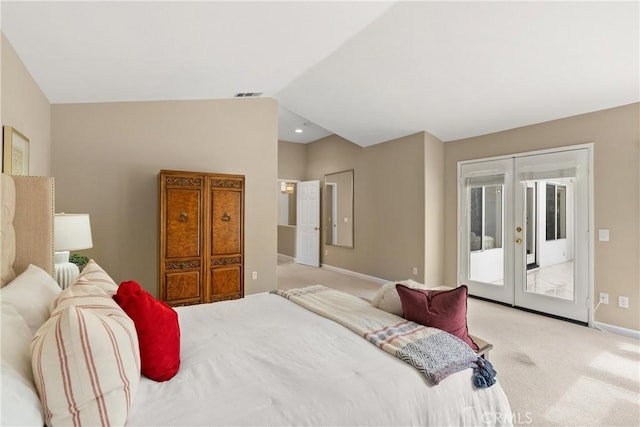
<point>308,223</point>
<point>503,205</point>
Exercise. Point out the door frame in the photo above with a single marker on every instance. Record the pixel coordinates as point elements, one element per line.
<point>591,234</point>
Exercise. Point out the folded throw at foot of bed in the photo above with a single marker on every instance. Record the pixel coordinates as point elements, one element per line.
<point>433,352</point>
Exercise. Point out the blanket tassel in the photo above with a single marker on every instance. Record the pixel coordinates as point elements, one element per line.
<point>483,373</point>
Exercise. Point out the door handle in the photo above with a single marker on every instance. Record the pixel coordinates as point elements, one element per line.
<point>316,228</point>
<point>518,241</point>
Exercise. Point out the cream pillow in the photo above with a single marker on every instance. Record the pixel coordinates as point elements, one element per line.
<point>387,298</point>
<point>99,378</point>
<point>30,294</point>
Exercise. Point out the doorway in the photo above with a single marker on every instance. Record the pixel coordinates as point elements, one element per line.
<point>299,221</point>
<point>524,231</point>
<point>308,227</point>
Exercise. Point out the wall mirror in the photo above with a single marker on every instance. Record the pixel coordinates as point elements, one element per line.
<point>338,208</point>
<point>287,202</point>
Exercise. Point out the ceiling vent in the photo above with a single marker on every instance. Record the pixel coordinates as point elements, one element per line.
<point>247,94</point>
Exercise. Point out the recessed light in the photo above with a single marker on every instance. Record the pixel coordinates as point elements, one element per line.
<point>298,130</point>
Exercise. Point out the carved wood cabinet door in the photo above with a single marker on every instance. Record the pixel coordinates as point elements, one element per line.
<point>227,238</point>
<point>201,227</point>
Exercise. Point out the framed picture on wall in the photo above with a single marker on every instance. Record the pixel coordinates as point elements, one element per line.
<point>15,152</point>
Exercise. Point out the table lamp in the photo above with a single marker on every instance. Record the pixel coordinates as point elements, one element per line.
<point>72,232</point>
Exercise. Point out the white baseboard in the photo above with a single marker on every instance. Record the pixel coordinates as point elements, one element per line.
<point>355,274</point>
<point>631,333</point>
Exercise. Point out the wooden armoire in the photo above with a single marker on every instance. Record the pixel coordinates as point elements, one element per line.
<point>201,219</point>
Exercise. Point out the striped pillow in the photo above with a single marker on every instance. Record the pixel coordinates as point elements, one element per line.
<point>83,293</point>
<point>86,361</point>
<point>95,274</point>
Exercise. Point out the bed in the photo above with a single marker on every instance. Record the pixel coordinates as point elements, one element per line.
<point>262,360</point>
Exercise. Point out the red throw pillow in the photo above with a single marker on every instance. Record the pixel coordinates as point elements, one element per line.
<point>158,331</point>
<point>446,310</point>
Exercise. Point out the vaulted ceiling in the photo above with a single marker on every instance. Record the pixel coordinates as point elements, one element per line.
<point>367,71</point>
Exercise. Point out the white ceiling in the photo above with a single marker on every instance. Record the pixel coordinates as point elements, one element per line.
<point>368,71</point>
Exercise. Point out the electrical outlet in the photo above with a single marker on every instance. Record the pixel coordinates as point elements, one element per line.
<point>623,302</point>
<point>604,298</point>
<point>326,252</point>
<point>415,271</point>
<point>254,275</point>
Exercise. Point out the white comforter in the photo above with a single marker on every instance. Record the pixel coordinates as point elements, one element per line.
<point>264,360</point>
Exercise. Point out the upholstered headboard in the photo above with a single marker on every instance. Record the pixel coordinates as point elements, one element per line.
<point>26,224</point>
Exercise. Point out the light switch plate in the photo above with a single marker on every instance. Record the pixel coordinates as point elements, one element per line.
<point>623,302</point>
<point>603,235</point>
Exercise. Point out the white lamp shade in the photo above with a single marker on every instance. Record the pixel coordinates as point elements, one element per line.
<point>72,232</point>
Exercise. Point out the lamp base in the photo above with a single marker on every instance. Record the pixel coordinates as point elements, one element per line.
<point>65,272</point>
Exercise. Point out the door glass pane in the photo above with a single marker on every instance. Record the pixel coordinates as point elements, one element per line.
<point>552,273</point>
<point>486,228</point>
<point>561,213</point>
<point>551,212</point>
<point>493,217</point>
<point>475,218</point>
<point>531,229</point>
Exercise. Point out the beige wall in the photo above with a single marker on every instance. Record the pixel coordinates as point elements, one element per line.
<point>292,160</point>
<point>433,210</point>
<point>287,240</point>
<point>388,204</point>
<point>292,164</point>
<point>615,135</point>
<point>106,158</point>
<point>25,108</point>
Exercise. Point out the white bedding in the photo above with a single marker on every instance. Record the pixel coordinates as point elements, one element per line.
<point>264,360</point>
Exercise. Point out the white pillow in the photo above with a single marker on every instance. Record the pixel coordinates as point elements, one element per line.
<point>20,402</point>
<point>99,346</point>
<point>30,294</point>
<point>16,340</point>
<point>387,298</point>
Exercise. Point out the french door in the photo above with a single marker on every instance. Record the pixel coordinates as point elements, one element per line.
<point>524,231</point>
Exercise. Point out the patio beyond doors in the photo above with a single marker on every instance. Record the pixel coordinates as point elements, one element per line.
<point>523,226</point>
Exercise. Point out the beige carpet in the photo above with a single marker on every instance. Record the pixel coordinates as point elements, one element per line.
<point>555,373</point>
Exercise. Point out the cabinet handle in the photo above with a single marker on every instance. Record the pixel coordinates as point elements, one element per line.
<point>226,217</point>
<point>183,217</point>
